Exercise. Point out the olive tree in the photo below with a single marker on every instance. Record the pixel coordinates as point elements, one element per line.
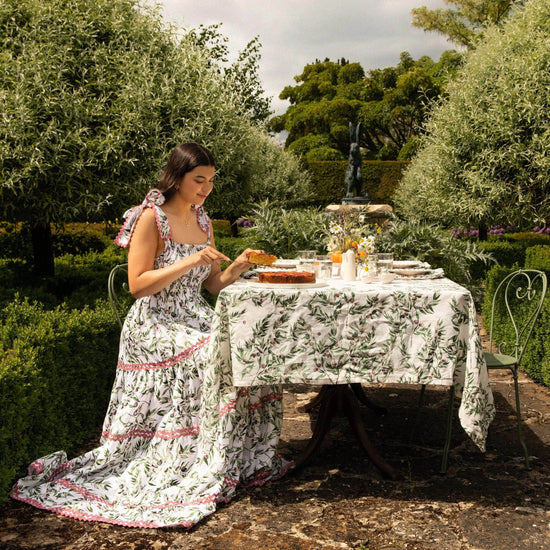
<point>466,24</point>
<point>94,94</point>
<point>485,157</point>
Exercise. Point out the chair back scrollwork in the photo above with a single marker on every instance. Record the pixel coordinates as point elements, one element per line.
<point>118,291</point>
<point>524,286</point>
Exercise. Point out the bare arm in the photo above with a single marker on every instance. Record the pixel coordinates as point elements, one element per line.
<point>145,245</point>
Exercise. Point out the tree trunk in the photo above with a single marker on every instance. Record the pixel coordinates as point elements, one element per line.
<point>482,232</point>
<point>41,237</point>
<point>234,228</point>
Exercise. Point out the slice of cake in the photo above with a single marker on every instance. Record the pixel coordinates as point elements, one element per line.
<point>286,277</point>
<point>261,258</point>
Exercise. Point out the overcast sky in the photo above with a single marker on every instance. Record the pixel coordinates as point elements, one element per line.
<point>294,33</point>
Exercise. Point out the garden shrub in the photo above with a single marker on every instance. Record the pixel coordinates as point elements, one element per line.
<point>72,238</point>
<point>80,279</point>
<point>484,153</point>
<point>15,241</point>
<point>536,359</point>
<point>80,238</point>
<point>56,372</point>
<point>284,232</point>
<point>505,253</point>
<point>230,246</point>
<point>527,238</point>
<point>538,257</point>
<point>221,226</point>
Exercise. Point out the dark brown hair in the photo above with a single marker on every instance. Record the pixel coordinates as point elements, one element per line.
<point>183,159</point>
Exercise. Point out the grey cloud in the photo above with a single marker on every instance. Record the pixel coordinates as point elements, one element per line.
<point>296,32</point>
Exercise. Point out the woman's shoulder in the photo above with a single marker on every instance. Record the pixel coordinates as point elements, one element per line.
<point>148,217</point>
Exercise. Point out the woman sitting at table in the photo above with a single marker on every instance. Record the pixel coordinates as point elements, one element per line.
<point>177,437</point>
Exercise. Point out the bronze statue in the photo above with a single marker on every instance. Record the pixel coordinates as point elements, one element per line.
<point>353,178</point>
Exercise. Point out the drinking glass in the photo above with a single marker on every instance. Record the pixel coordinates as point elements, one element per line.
<point>372,263</point>
<point>385,262</point>
<point>306,260</point>
<point>306,255</point>
<point>323,267</point>
<point>323,271</point>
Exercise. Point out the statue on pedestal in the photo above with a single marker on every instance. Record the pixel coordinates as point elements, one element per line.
<point>353,178</point>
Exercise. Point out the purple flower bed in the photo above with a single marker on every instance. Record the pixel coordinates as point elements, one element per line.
<point>497,230</point>
<point>244,222</point>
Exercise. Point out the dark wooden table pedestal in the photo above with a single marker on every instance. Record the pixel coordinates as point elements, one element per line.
<point>342,399</point>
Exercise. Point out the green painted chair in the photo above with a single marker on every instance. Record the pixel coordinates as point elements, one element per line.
<point>117,282</point>
<point>520,295</point>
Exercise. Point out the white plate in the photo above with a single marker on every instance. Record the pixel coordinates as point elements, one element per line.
<point>412,272</point>
<point>405,264</point>
<point>256,284</point>
<point>285,264</point>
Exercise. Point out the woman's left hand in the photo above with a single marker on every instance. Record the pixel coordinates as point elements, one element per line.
<point>242,260</point>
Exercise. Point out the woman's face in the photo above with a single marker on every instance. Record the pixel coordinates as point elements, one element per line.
<point>197,184</point>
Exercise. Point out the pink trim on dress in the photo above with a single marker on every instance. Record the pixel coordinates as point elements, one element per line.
<point>153,199</point>
<point>167,362</point>
<point>231,406</point>
<point>231,481</point>
<point>150,434</point>
<point>60,470</point>
<point>36,467</point>
<point>86,494</point>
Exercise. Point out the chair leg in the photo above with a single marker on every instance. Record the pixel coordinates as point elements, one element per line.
<point>518,415</point>
<point>412,433</point>
<point>450,412</point>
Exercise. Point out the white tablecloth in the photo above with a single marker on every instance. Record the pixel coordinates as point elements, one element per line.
<point>409,332</point>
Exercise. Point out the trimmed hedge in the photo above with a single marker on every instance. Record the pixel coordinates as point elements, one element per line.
<point>505,253</point>
<point>73,238</point>
<point>79,280</point>
<point>230,246</point>
<point>536,360</point>
<point>380,179</point>
<point>509,249</point>
<point>538,257</point>
<point>56,372</point>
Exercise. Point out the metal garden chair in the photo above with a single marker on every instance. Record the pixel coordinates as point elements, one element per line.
<point>516,289</point>
<point>525,286</point>
<point>118,279</point>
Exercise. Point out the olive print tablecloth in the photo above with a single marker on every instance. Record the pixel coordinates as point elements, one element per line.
<point>409,332</point>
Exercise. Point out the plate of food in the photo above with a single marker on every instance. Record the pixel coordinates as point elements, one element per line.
<point>405,264</point>
<point>288,279</point>
<point>283,263</point>
<point>412,272</point>
<point>318,284</point>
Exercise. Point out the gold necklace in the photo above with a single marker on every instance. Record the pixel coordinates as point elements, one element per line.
<point>187,221</point>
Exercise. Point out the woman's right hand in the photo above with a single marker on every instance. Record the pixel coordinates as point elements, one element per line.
<point>208,256</point>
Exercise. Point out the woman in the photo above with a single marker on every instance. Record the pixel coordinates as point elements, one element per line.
<point>164,457</point>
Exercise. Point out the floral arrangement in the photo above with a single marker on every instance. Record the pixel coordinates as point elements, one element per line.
<point>349,231</point>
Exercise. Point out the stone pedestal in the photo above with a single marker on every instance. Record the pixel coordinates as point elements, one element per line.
<point>374,213</point>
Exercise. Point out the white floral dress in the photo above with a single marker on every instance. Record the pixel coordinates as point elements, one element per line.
<point>177,437</point>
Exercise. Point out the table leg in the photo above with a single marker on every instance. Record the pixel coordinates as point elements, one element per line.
<point>340,399</point>
<point>362,397</point>
<point>315,401</point>
<point>359,394</point>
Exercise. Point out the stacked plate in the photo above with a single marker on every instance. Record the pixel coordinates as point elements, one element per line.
<point>410,269</point>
